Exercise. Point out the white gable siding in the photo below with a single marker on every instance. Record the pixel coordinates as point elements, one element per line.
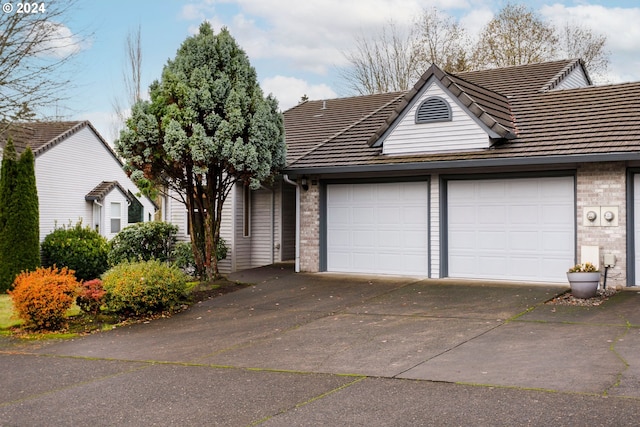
<point>575,79</point>
<point>71,169</point>
<point>462,133</point>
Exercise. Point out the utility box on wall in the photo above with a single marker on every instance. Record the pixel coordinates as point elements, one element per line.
<point>600,216</point>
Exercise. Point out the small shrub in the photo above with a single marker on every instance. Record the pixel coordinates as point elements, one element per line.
<point>91,296</point>
<point>79,248</point>
<point>142,242</point>
<point>221,249</point>
<point>182,255</point>
<point>42,297</point>
<point>143,287</point>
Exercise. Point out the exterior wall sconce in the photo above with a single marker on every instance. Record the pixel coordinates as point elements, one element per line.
<point>304,182</point>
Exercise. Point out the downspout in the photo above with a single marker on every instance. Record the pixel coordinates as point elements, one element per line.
<point>286,179</point>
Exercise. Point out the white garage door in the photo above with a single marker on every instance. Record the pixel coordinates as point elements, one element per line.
<point>378,228</point>
<point>511,229</point>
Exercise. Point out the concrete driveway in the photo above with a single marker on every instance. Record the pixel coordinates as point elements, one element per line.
<point>326,349</point>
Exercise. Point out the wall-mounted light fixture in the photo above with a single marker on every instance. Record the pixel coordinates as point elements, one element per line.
<point>304,182</point>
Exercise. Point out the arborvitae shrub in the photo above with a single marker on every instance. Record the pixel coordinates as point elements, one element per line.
<point>79,248</point>
<point>91,296</point>
<point>144,287</point>
<point>142,242</point>
<point>42,297</point>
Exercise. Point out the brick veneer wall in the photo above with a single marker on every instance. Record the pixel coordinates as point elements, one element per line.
<point>604,184</point>
<point>310,228</point>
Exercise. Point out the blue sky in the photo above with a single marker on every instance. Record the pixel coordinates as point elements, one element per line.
<point>296,46</point>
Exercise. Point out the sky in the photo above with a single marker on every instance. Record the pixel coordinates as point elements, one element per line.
<point>296,46</point>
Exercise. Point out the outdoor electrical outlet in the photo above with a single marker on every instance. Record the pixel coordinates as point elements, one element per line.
<point>609,260</point>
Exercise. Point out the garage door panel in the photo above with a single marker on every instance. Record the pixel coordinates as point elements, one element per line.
<point>385,230</point>
<point>488,241</point>
<point>512,227</point>
<point>491,214</point>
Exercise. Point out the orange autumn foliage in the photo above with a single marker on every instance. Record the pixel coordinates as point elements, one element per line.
<point>42,297</point>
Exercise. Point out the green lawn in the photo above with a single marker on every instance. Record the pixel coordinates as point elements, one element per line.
<point>6,312</point>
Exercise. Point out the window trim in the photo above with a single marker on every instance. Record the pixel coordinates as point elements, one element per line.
<point>112,217</point>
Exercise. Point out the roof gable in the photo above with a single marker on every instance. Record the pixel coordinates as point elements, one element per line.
<point>42,136</point>
<point>479,116</point>
<point>103,189</point>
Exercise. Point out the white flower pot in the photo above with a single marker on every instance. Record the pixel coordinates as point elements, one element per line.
<point>584,285</point>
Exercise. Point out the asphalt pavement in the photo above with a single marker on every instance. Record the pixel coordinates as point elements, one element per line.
<point>348,350</point>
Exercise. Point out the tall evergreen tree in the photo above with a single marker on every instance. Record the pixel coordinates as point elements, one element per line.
<point>19,218</point>
<point>8,178</point>
<point>207,127</point>
<point>26,224</point>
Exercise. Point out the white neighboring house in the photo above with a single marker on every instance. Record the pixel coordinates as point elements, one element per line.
<point>79,178</point>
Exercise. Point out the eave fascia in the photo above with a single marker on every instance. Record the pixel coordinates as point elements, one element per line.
<point>462,164</point>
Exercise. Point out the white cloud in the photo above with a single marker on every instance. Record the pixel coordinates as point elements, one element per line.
<point>289,90</point>
<point>308,35</point>
<point>60,41</point>
<point>620,25</point>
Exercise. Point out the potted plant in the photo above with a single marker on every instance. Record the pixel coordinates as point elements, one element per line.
<point>584,280</point>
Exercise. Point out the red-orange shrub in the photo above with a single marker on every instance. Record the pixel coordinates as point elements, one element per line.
<point>91,296</point>
<point>42,297</point>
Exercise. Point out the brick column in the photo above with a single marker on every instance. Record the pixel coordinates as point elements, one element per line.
<point>310,228</point>
<point>604,184</point>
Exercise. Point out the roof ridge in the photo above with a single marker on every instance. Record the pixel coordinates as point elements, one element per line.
<point>351,126</point>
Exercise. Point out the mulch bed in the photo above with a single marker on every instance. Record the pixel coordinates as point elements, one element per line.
<point>568,299</point>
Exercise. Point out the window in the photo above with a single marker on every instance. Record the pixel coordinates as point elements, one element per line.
<point>246,211</point>
<point>135,210</point>
<point>116,216</point>
<point>433,109</point>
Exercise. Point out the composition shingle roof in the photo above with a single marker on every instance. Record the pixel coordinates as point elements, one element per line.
<point>585,121</point>
<point>39,135</point>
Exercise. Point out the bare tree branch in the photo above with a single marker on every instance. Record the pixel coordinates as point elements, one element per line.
<point>34,50</point>
<point>132,78</point>
<point>580,42</point>
<point>386,62</point>
<point>442,41</point>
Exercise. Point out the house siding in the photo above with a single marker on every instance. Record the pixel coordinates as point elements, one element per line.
<point>71,169</point>
<point>262,227</point>
<point>462,133</point>
<point>574,80</point>
<point>434,225</point>
<point>604,184</point>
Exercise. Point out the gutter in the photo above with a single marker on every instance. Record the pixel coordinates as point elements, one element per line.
<point>473,163</point>
<point>286,179</point>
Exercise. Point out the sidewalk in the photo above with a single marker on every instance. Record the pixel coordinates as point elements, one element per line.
<point>318,349</point>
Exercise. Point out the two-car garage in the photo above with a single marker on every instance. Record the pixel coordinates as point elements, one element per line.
<point>520,229</point>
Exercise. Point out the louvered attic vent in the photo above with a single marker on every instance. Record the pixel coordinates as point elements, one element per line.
<point>434,109</point>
